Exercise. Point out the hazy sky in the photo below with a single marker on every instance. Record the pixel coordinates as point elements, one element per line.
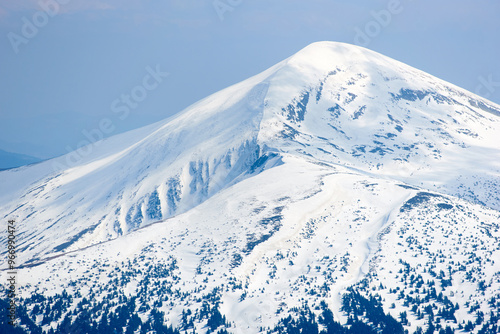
<point>65,68</point>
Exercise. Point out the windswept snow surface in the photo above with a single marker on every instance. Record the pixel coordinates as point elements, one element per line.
<point>337,167</point>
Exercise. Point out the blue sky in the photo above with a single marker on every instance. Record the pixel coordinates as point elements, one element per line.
<point>66,68</point>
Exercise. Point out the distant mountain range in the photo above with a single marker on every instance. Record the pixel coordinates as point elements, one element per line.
<point>339,191</point>
<point>12,160</point>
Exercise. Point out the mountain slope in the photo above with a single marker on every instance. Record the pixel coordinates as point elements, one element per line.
<point>257,255</point>
<point>336,175</point>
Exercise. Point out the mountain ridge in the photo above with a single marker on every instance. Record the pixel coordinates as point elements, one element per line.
<point>10,160</point>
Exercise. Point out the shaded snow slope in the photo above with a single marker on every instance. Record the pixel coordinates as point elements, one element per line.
<point>259,251</point>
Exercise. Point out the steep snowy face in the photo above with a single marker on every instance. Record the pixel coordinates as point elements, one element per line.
<point>346,105</point>
<point>330,103</point>
<point>140,177</point>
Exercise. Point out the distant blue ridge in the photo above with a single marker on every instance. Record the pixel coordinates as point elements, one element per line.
<point>10,160</point>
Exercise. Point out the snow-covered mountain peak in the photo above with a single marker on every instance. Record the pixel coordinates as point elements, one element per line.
<point>330,103</point>
<point>338,185</point>
<point>325,56</point>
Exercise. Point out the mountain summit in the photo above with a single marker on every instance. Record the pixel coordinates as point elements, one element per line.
<point>336,170</point>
